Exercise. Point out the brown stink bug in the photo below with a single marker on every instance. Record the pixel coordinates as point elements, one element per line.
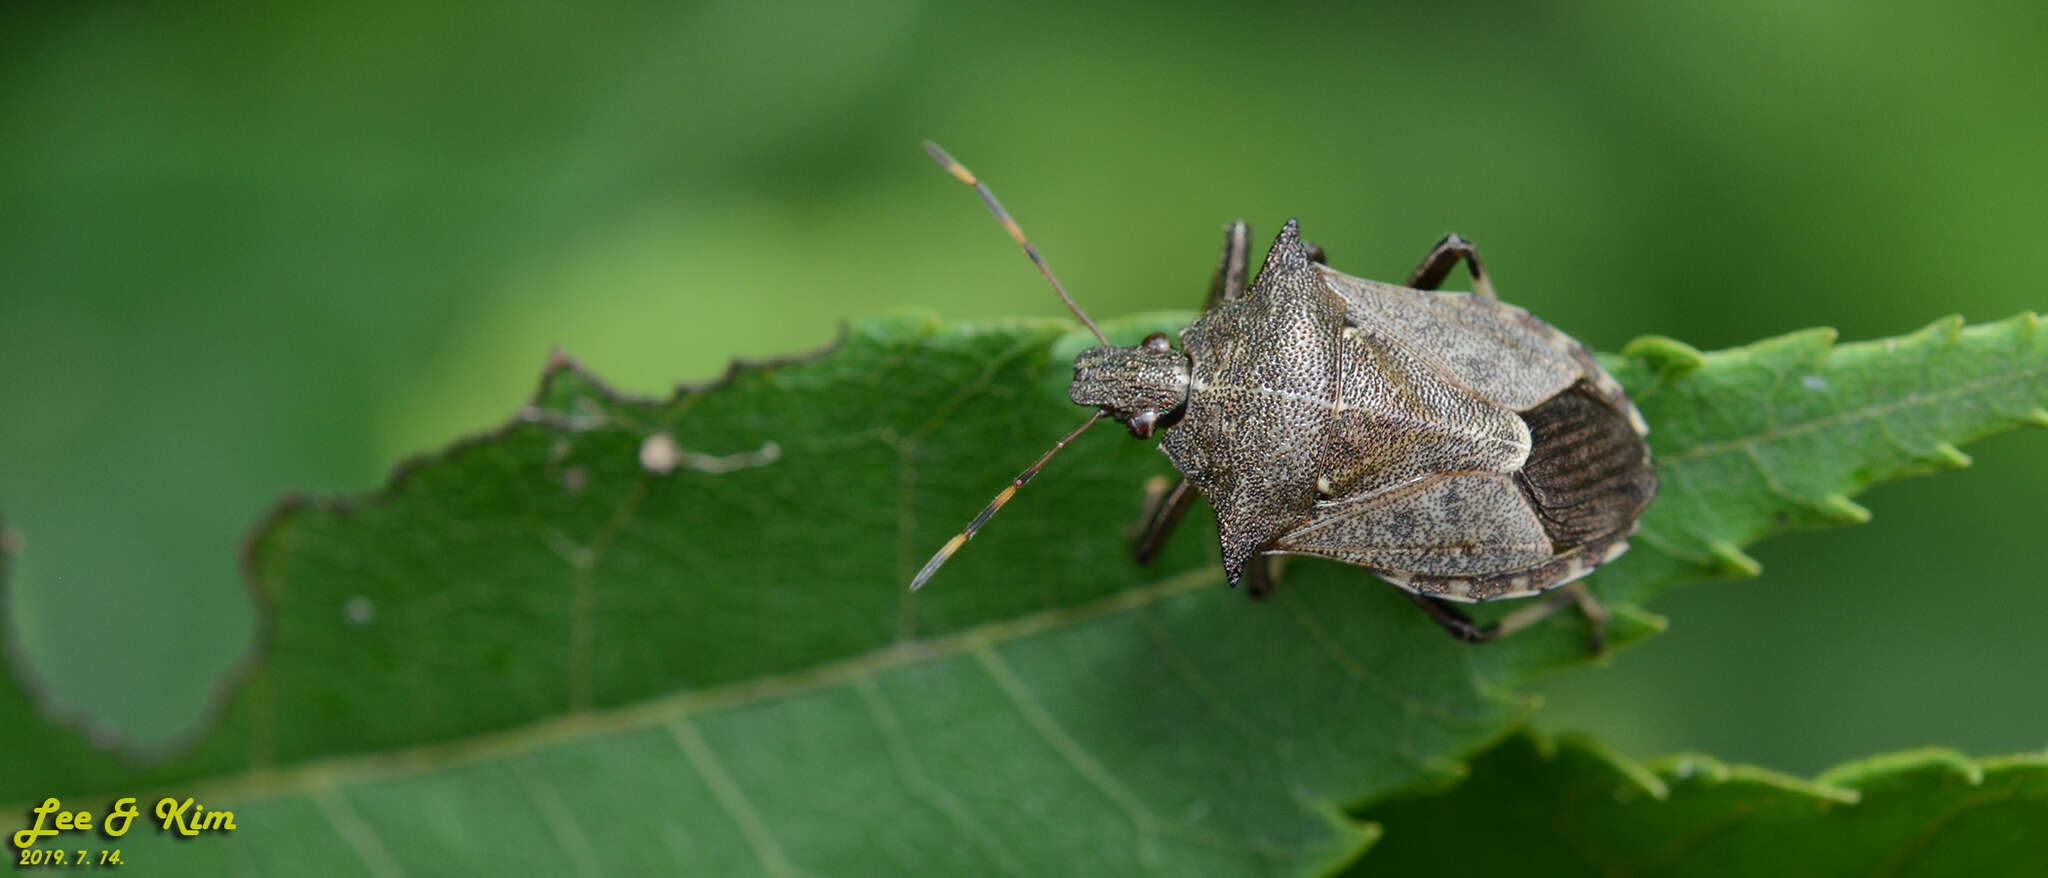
<point>1452,444</point>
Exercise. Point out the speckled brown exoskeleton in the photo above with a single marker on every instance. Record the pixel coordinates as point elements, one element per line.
<point>1454,445</point>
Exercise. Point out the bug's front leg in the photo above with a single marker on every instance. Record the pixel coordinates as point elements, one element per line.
<point>1442,258</point>
<point>1163,509</point>
<point>1231,272</point>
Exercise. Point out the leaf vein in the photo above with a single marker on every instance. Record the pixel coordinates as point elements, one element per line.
<point>1902,856</point>
<point>560,818</point>
<point>1879,410</point>
<point>731,798</point>
<point>361,836</point>
<point>1186,672</point>
<point>1350,665</point>
<point>583,595</point>
<point>922,787</point>
<point>1076,756</point>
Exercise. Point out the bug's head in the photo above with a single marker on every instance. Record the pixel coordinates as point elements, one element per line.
<point>1143,388</point>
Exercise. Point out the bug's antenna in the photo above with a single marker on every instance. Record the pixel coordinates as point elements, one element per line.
<point>961,538</point>
<point>989,198</point>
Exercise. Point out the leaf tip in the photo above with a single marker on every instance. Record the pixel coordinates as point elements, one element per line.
<point>898,325</point>
<point>1839,509</point>
<point>1640,780</point>
<point>1877,769</point>
<point>1945,328</point>
<point>1668,357</point>
<point>1947,456</point>
<point>1730,561</point>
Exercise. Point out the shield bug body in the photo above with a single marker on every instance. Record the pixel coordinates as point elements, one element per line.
<point>1454,445</point>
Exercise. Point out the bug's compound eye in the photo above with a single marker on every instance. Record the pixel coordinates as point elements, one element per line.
<point>1159,342</point>
<point>1143,422</point>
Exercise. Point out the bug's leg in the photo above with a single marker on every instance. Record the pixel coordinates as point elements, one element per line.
<point>1163,510</point>
<point>1565,596</point>
<point>1457,624</point>
<point>1596,616</point>
<point>1258,577</point>
<point>1230,278</point>
<point>1166,508</point>
<point>1450,618</point>
<point>1445,255</point>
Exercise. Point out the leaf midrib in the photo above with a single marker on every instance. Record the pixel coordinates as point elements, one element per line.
<point>333,772</point>
<point>1871,411</point>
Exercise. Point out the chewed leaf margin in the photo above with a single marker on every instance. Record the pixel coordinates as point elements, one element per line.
<point>1497,668</point>
<point>73,736</point>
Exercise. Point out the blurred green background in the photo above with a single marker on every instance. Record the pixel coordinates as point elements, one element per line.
<point>246,250</point>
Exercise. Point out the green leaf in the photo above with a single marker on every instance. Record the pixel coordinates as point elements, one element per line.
<point>1574,808</point>
<point>1779,434</point>
<point>625,634</point>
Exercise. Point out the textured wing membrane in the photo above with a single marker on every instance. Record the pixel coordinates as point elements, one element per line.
<point>1497,351</point>
<point>1589,474</point>
<point>1448,525</point>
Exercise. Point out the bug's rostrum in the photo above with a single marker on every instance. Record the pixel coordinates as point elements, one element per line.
<point>1143,387</point>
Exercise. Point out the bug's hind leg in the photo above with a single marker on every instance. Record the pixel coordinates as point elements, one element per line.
<point>1574,594</point>
<point>1442,258</point>
<point>1454,621</point>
